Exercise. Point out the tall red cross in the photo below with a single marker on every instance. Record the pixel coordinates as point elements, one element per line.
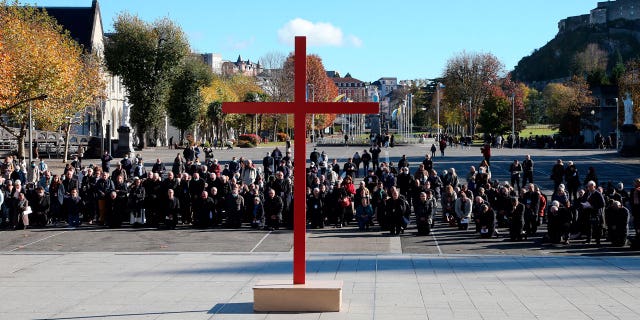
<point>299,108</point>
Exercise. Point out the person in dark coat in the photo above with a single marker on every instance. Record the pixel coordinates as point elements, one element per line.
<point>72,207</point>
<point>273,207</point>
<point>127,165</point>
<point>158,167</point>
<point>617,217</point>
<point>234,207</point>
<point>364,214</point>
<point>559,223</point>
<point>136,202</point>
<point>268,164</point>
<point>106,161</point>
<point>593,208</point>
<point>170,210</point>
<point>487,221</point>
<point>531,201</point>
<point>572,178</point>
<point>527,167</point>
<point>375,156</point>
<point>203,210</point>
<point>425,209</point>
<point>40,206</point>
<point>557,174</point>
<point>315,210</point>
<point>178,166</point>
<point>366,159</point>
<point>516,220</point>
<point>396,208</point>
<point>257,212</point>
<point>378,201</point>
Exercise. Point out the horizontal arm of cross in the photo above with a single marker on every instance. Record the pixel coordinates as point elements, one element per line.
<point>299,108</point>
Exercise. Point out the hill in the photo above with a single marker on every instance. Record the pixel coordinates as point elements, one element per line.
<point>555,59</point>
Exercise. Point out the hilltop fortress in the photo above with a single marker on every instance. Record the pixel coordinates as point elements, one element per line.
<point>605,12</point>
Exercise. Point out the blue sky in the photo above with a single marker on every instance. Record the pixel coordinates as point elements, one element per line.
<point>369,39</point>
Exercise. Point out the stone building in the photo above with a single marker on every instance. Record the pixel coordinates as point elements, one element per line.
<point>85,26</point>
<point>605,11</point>
<point>244,67</point>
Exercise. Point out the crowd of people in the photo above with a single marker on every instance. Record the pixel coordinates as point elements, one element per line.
<point>387,196</point>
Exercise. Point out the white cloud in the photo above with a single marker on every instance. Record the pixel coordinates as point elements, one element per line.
<point>318,34</point>
<point>239,44</point>
<point>355,41</point>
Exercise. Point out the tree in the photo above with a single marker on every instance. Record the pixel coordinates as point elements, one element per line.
<point>217,117</point>
<point>592,63</point>
<point>145,57</point>
<point>535,107</point>
<point>495,117</point>
<point>40,60</point>
<point>276,85</point>
<point>566,102</point>
<point>185,103</point>
<point>324,89</point>
<point>468,78</point>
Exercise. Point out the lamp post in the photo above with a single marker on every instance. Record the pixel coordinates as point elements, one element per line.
<point>41,97</point>
<point>313,116</point>
<point>617,125</point>
<point>513,119</point>
<point>438,86</point>
<point>593,122</point>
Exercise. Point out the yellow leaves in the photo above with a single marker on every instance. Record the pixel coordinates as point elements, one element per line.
<point>232,89</point>
<point>41,59</point>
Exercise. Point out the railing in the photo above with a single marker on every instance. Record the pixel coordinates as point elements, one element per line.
<point>49,144</point>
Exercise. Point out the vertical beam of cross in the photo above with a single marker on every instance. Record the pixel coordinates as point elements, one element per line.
<point>299,108</point>
<point>300,163</point>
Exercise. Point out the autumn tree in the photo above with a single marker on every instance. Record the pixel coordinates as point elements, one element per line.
<point>145,56</point>
<point>567,102</point>
<point>592,64</point>
<point>41,60</point>
<point>324,89</point>
<point>469,78</point>
<point>185,103</point>
<point>226,89</point>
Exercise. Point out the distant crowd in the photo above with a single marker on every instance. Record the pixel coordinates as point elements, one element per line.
<point>362,191</point>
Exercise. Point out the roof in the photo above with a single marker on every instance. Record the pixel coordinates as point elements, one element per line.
<point>78,21</point>
<point>345,79</point>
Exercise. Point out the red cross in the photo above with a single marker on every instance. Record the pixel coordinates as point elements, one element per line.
<point>299,108</point>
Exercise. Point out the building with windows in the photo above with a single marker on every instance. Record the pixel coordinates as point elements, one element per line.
<point>243,67</point>
<point>352,88</point>
<point>85,26</point>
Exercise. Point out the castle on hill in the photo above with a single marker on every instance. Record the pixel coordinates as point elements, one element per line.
<point>606,11</point>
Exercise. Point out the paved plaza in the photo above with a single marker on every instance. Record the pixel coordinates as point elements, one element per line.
<point>96,273</point>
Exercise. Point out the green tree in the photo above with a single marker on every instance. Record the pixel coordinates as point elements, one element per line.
<point>217,117</point>
<point>185,102</point>
<point>495,116</point>
<point>145,57</point>
<point>469,78</point>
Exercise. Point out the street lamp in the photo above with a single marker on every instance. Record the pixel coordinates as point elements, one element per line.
<point>617,125</point>
<point>593,123</point>
<point>513,119</point>
<point>313,116</point>
<point>438,86</point>
<point>41,97</point>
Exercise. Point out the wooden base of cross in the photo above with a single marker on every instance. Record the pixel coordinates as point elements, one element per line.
<point>300,293</point>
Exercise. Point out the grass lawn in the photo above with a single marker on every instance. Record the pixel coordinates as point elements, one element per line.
<point>538,130</point>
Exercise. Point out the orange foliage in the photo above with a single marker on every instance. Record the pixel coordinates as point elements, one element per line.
<point>321,87</point>
<point>40,58</point>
